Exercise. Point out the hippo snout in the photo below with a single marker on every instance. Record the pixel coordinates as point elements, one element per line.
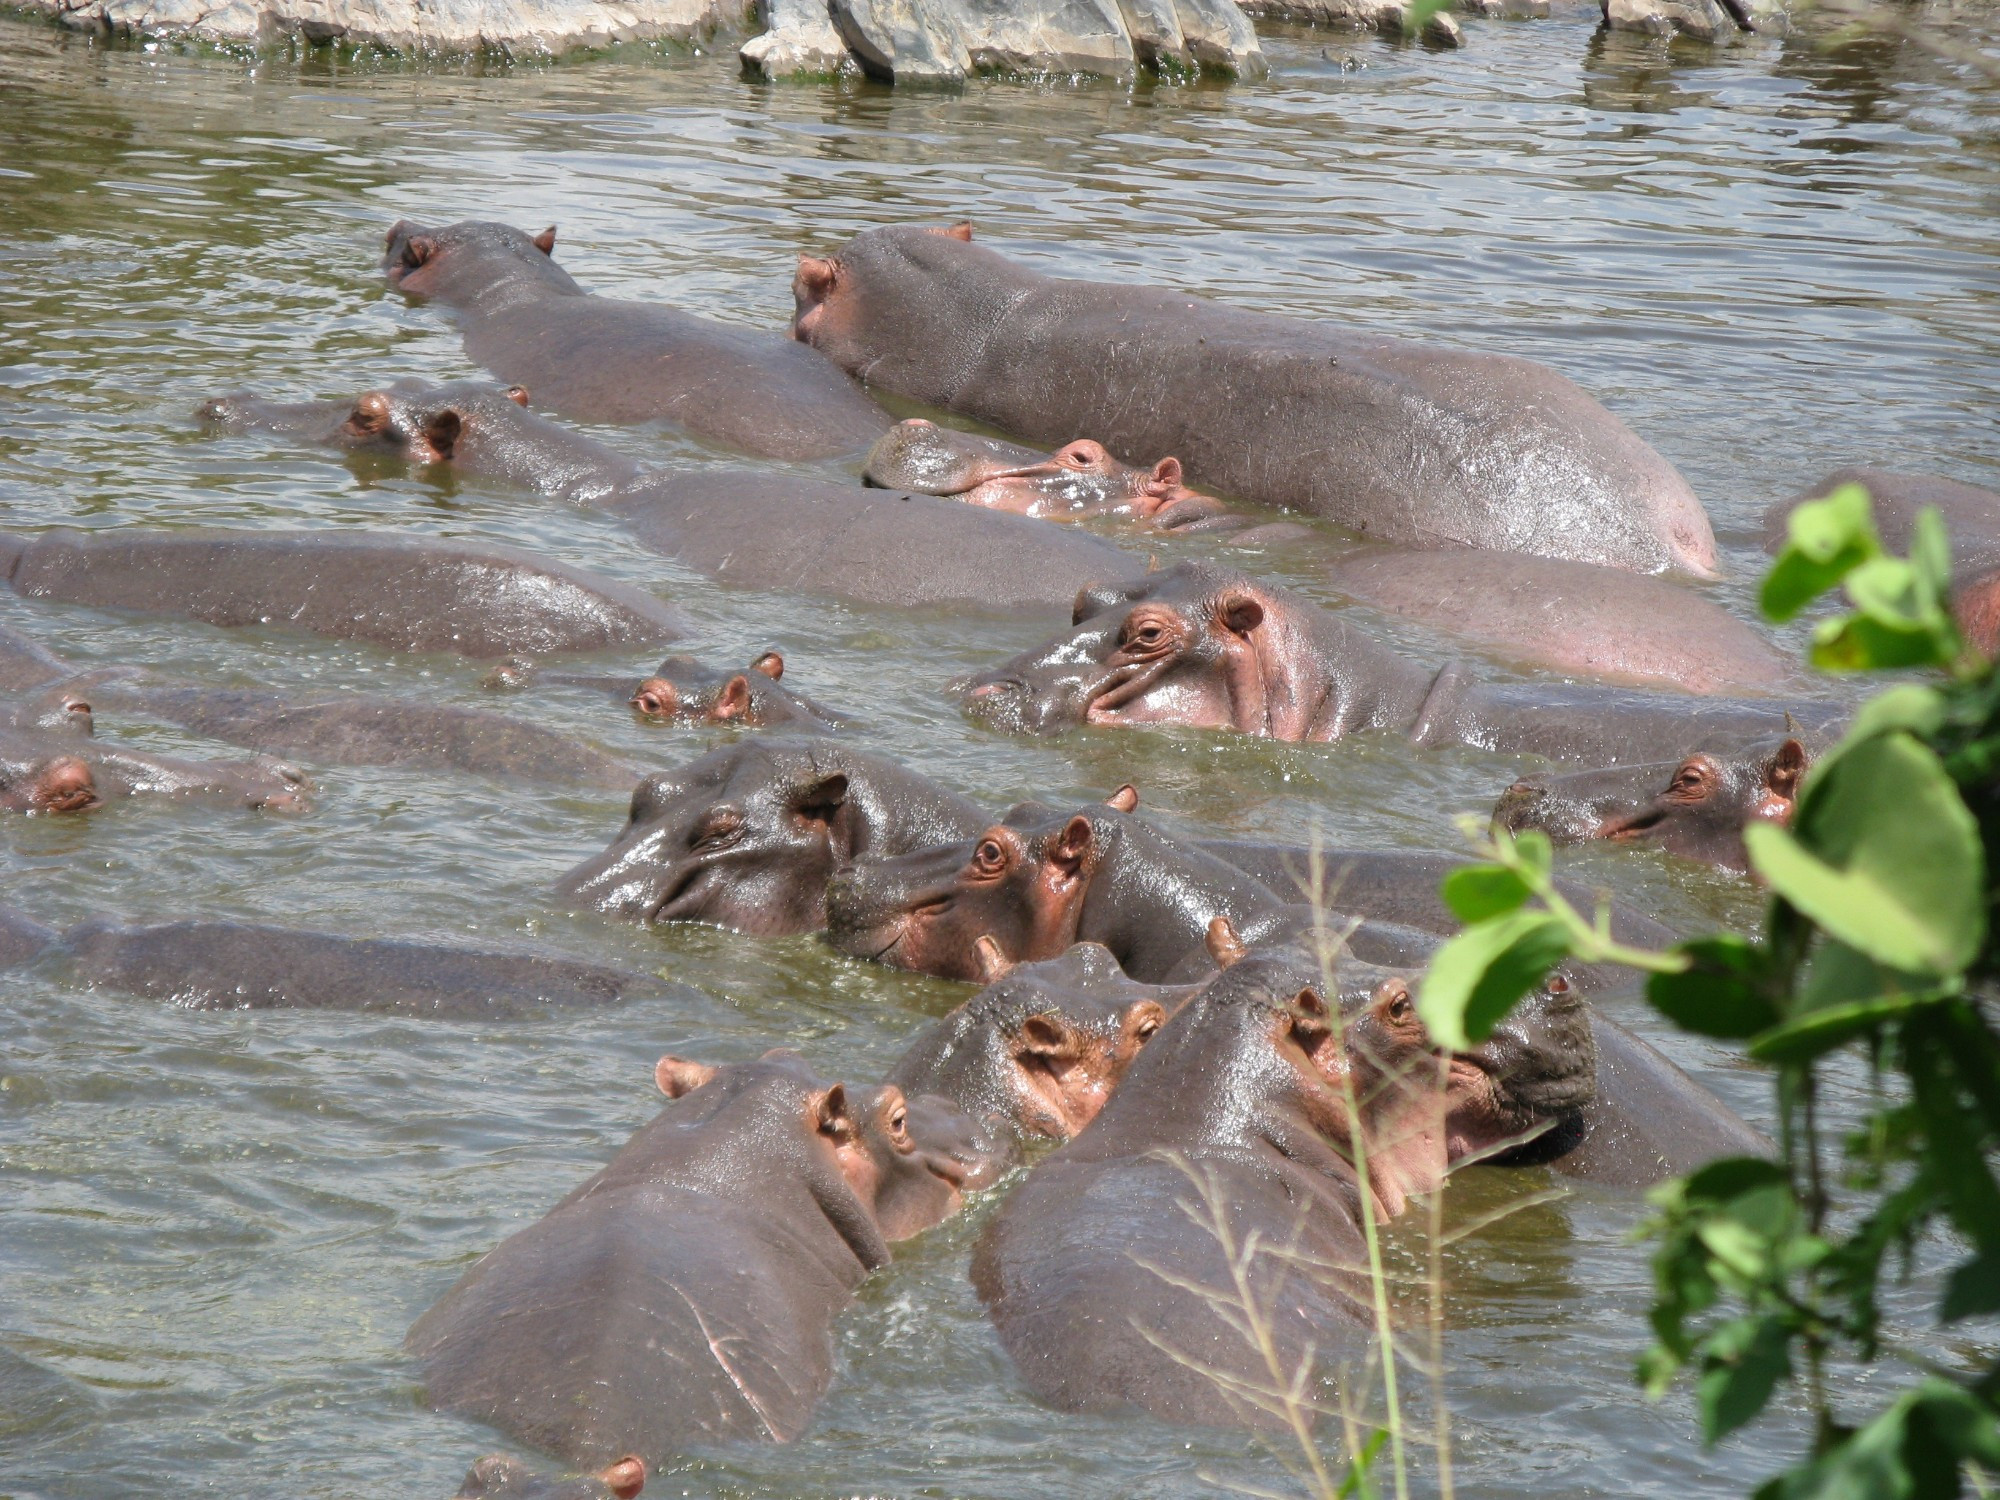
<point>1518,804</point>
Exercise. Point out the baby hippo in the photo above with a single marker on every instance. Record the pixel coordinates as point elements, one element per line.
<point>503,1478</point>
<point>686,1293</point>
<point>1078,479</point>
<point>1696,808</point>
<point>683,691</point>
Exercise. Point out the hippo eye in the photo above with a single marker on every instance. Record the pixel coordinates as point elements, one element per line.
<point>989,855</point>
<point>1147,1027</point>
<point>899,1124</point>
<point>715,832</point>
<point>1400,1008</point>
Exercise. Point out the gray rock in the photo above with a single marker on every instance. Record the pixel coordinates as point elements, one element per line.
<point>904,41</point>
<point>1219,37</point>
<point>1704,20</point>
<point>1512,10</point>
<point>545,27</point>
<point>1047,36</point>
<point>1375,14</point>
<point>798,37</point>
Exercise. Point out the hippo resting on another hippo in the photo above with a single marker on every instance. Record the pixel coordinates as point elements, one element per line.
<point>1211,648</point>
<point>686,1293</point>
<point>745,528</point>
<point>747,836</point>
<point>1696,808</point>
<point>1971,519</point>
<point>1402,442</point>
<point>253,966</point>
<point>1251,1107</point>
<point>407,593</point>
<point>597,359</point>
<point>1571,617</point>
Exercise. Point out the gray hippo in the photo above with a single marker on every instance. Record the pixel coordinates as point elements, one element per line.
<point>684,691</point>
<point>61,772</point>
<point>744,528</point>
<point>499,1477</point>
<point>1571,617</point>
<point>407,593</point>
<point>747,836</point>
<point>1212,648</point>
<point>1398,441</point>
<point>602,360</point>
<point>1971,518</point>
<point>686,1293</point>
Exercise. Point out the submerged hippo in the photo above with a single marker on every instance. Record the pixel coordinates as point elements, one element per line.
<point>26,663</point>
<point>51,772</point>
<point>1696,808</point>
<point>686,1293</point>
<point>364,729</point>
<point>598,359</point>
<point>747,836</point>
<point>1252,1106</point>
<point>1971,518</point>
<point>1403,442</point>
<point>1212,648</point>
<point>1573,617</point>
<point>1079,479</point>
<point>744,528</point>
<point>499,1477</point>
<point>407,593</point>
<point>683,691</point>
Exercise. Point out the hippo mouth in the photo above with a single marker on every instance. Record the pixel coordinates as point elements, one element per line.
<point>1120,686</point>
<point>1631,827</point>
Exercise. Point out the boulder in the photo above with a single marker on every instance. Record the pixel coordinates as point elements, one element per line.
<point>799,37</point>
<point>1704,20</point>
<point>540,27</point>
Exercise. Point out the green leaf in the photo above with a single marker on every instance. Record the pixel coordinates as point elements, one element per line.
<point>1827,539</point>
<point>1916,1450</point>
<point>1973,1289</point>
<point>1868,643</point>
<point>1476,892</point>
<point>1743,1362</point>
<point>1720,993</point>
<point>1908,706</point>
<point>1732,1177</point>
<point>1820,1031</point>
<point>1476,977</point>
<point>1884,856</point>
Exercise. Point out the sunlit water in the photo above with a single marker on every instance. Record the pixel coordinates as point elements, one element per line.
<point>215,1228</point>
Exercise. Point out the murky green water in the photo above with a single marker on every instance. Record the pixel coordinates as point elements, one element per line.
<point>214,1229</point>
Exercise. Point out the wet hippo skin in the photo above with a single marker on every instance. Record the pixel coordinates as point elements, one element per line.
<point>686,1293</point>
<point>250,966</point>
<point>369,730</point>
<point>499,1477</point>
<point>1572,617</point>
<point>45,771</point>
<point>597,359</point>
<point>1209,647</point>
<point>746,528</point>
<point>407,593</point>
<point>1403,442</point>
<point>25,663</point>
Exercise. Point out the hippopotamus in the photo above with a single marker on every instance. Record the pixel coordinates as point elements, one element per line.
<point>408,593</point>
<point>598,359</point>
<point>1401,442</point>
<point>22,938</point>
<point>683,691</point>
<point>1696,808</point>
<point>252,966</point>
<point>1241,1122</point>
<point>1213,648</point>
<point>747,836</point>
<point>1034,1055</point>
<point>686,1293</point>
<point>26,663</point>
<point>1971,518</point>
<point>1081,478</point>
<point>42,771</point>
<point>1572,617</point>
<point>365,729</point>
<point>498,1477</point>
<point>1042,878</point>
<point>742,527</point>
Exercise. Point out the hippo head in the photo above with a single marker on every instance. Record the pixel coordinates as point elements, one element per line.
<point>745,838</point>
<point>907,1168</point>
<point>1041,1047</point>
<point>501,1478</point>
<point>683,691</point>
<point>829,294</point>
<point>462,260</point>
<point>414,420</point>
<point>1197,645</point>
<point>61,709</point>
<point>1081,478</point>
<point>966,910</point>
<point>46,783</point>
<point>1696,808</point>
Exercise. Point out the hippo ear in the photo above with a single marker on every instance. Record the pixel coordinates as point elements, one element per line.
<point>518,394</point>
<point>1125,799</point>
<point>418,249</point>
<point>546,241</point>
<point>833,1116</point>
<point>1166,476</point>
<point>770,664</point>
<point>1784,769</point>
<point>626,1477</point>
<point>1070,848</point>
<point>962,230</point>
<point>1225,945</point>
<point>817,274</point>
<point>824,798</point>
<point>993,963</point>
<point>441,432</point>
<point>677,1076</point>
<point>733,702</point>
<point>1239,611</point>
<point>1046,1036</point>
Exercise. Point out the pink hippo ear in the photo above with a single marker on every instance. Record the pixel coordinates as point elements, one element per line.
<point>677,1076</point>
<point>518,394</point>
<point>962,230</point>
<point>1223,942</point>
<point>1166,477</point>
<point>1047,1037</point>
<point>770,664</point>
<point>733,702</point>
<point>991,958</point>
<point>1785,768</point>
<point>546,241</point>
<point>833,1116</point>
<point>1125,799</point>
<point>626,1477</point>
<point>419,249</point>
<point>1239,611</point>
<point>816,275</point>
<point>1070,848</point>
